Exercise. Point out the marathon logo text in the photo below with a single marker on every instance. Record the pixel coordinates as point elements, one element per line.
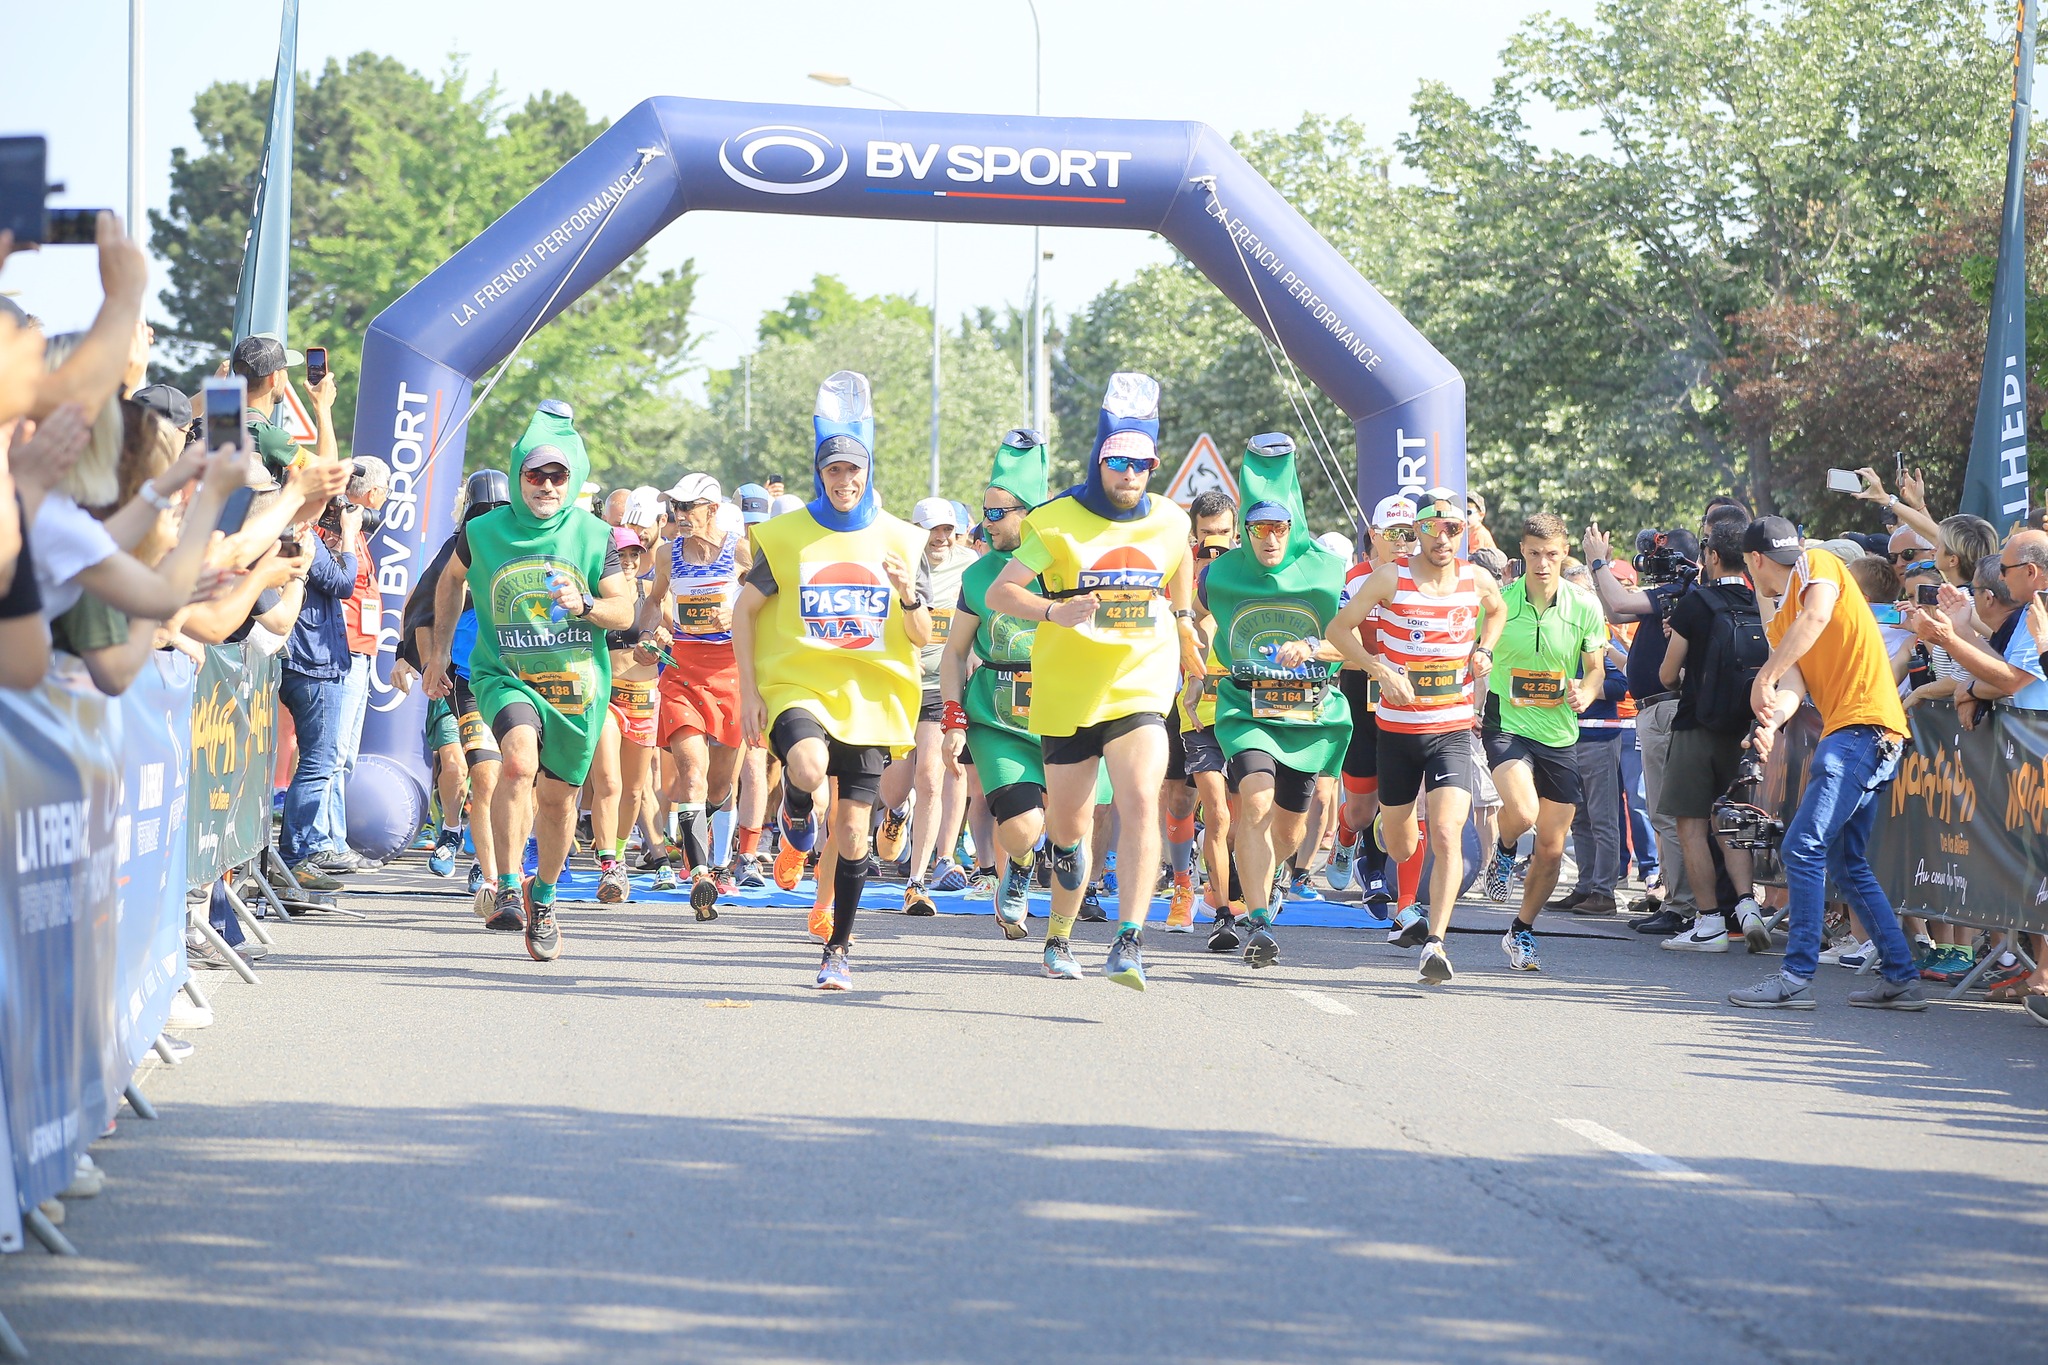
<point>53,835</point>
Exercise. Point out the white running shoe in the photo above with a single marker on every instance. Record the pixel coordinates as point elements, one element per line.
<point>1749,916</point>
<point>1709,934</point>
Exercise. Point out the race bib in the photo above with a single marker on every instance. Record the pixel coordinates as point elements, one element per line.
<point>698,613</point>
<point>634,696</point>
<point>1013,699</point>
<point>1436,680</point>
<point>1297,702</point>
<point>561,690</point>
<point>1527,687</point>
<point>475,734</point>
<point>1124,611</point>
<point>942,625</point>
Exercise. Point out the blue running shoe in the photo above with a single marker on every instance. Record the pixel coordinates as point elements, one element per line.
<point>1520,946</point>
<point>1302,889</point>
<point>1337,872</point>
<point>441,862</point>
<point>1091,906</point>
<point>476,878</point>
<point>665,878</point>
<point>1059,961</point>
<point>746,873</point>
<point>948,876</point>
<point>799,835</point>
<point>1126,965</point>
<point>833,973</point>
<point>1410,928</point>
<point>1013,900</point>
<point>1500,875</point>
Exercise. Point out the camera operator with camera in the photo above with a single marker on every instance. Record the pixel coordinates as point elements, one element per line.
<point>1827,650</point>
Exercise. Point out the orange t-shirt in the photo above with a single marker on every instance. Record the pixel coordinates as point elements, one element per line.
<point>1847,672</point>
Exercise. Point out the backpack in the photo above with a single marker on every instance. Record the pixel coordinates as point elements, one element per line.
<point>1736,649</point>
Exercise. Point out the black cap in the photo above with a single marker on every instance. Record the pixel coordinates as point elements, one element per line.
<point>166,401</point>
<point>1775,538</point>
<point>263,354</point>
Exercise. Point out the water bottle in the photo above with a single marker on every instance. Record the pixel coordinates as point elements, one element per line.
<point>557,613</point>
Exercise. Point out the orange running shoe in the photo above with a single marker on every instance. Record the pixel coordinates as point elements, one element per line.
<point>1180,911</point>
<point>890,838</point>
<point>789,866</point>
<point>821,915</point>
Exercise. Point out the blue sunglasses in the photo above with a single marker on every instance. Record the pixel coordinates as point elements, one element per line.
<point>1125,464</point>
<point>992,515</point>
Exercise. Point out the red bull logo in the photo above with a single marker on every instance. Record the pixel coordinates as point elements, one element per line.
<point>845,605</point>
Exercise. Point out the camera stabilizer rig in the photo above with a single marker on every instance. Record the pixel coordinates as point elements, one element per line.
<point>1739,822</point>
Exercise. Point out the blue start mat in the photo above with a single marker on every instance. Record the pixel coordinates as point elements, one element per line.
<point>580,884</point>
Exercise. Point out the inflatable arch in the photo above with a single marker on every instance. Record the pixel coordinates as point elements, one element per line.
<point>670,156</point>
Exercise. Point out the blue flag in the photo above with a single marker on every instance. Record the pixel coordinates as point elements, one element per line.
<point>263,294</point>
<point>1995,484</point>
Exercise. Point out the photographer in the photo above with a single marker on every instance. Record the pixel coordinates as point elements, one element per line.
<point>1825,651</point>
<point>1717,646</point>
<point>363,618</point>
<point>262,360</point>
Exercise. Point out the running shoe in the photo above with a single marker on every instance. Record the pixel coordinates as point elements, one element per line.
<point>313,879</point>
<point>441,862</point>
<point>889,839</point>
<point>833,973</point>
<point>916,902</point>
<point>1059,961</point>
<point>798,834</point>
<point>1774,992</point>
<point>982,885</point>
<point>543,938</point>
<point>1223,937</point>
<point>1409,929</point>
<point>665,878</point>
<point>509,916</point>
<point>1519,943</point>
<point>1091,906</point>
<point>1755,932</point>
<point>789,866</point>
<point>704,893</point>
<point>1126,964</point>
<point>1180,907</point>
<point>948,876</point>
<point>1436,965</point>
<point>655,854</point>
<point>614,887</point>
<point>1852,956</point>
<point>746,873</point>
<point>1013,898</point>
<point>1709,934</point>
<point>1302,889</point>
<point>1261,949</point>
<point>1951,962</point>
<point>1337,871</point>
<point>584,836</point>
<point>1064,868</point>
<point>484,902</point>
<point>1500,875</point>
<point>820,924</point>
<point>1890,995</point>
<point>477,880</point>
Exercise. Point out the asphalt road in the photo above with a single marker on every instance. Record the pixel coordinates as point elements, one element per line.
<point>411,1143</point>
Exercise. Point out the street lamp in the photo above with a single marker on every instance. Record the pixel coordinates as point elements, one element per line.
<point>834,78</point>
<point>1041,389</point>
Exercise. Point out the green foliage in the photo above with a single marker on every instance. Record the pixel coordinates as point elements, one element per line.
<point>393,173</point>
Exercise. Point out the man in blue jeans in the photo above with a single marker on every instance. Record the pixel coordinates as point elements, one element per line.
<point>316,666</point>
<point>1825,647</point>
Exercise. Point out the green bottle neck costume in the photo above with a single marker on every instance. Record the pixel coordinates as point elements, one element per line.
<point>560,667</point>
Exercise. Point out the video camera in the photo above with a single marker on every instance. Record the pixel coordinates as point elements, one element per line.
<point>1659,563</point>
<point>1739,822</point>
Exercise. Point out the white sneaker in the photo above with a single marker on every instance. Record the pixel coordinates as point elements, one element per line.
<point>1750,916</point>
<point>86,1182</point>
<point>1709,934</point>
<point>1852,955</point>
<point>185,1014</point>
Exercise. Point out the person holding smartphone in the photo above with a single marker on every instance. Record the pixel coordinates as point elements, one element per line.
<point>262,361</point>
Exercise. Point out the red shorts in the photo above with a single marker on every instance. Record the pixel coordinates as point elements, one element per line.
<point>700,695</point>
<point>633,708</point>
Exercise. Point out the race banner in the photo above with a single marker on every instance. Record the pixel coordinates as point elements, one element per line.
<point>155,749</point>
<point>234,729</point>
<point>1963,833</point>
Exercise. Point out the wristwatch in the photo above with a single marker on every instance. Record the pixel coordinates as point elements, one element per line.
<point>155,499</point>
<point>1596,566</point>
<point>911,603</point>
<point>588,603</point>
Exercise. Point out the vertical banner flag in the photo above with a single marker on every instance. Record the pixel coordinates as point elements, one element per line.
<point>264,291</point>
<point>1995,485</point>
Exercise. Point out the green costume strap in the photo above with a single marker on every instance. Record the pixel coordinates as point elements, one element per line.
<point>560,667</point>
<point>1297,717</point>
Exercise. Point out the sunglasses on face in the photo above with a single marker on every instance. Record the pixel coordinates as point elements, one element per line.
<point>547,476</point>
<point>1443,526</point>
<point>1269,530</point>
<point>992,515</point>
<point>1128,464</point>
<point>1398,533</point>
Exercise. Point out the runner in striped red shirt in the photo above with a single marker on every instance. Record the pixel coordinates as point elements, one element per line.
<point>1435,618</point>
<point>1356,854</point>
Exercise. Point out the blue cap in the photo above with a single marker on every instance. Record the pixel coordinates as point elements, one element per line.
<point>1268,511</point>
<point>753,500</point>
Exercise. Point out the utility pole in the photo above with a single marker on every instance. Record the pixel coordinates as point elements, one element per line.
<point>136,229</point>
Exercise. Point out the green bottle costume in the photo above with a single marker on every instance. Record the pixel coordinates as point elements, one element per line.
<point>561,668</point>
<point>1298,716</point>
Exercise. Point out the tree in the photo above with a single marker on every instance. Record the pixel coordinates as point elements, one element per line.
<point>392,174</point>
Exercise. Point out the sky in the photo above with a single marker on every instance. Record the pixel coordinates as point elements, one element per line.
<point>1234,66</point>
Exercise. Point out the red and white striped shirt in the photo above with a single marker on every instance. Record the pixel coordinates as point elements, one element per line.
<point>1431,637</point>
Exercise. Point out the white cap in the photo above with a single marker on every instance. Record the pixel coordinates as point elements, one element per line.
<point>788,502</point>
<point>1336,542</point>
<point>643,507</point>
<point>695,488</point>
<point>1395,510</point>
<point>934,512</point>
<point>730,519</point>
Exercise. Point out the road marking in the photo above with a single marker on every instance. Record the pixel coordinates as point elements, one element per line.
<point>1324,1002</point>
<point>1634,1151</point>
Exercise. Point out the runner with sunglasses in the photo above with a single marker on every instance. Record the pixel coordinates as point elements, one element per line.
<point>1279,721</point>
<point>1434,621</point>
<point>693,592</point>
<point>539,668</point>
<point>1104,661</point>
<point>830,678</point>
<point>1195,764</point>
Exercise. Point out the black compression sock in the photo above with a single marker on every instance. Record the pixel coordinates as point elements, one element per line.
<point>849,879</point>
<point>796,802</point>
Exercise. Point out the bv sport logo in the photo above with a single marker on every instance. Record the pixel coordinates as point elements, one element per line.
<point>846,605</point>
<point>788,148</point>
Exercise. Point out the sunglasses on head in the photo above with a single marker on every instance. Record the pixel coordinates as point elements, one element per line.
<point>1269,530</point>
<point>551,475</point>
<point>1920,566</point>
<point>992,515</point>
<point>1127,464</point>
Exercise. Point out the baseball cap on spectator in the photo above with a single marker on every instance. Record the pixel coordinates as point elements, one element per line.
<point>1775,538</point>
<point>1623,571</point>
<point>694,488</point>
<point>1844,549</point>
<point>931,513</point>
<point>167,402</point>
<point>1336,542</point>
<point>263,354</point>
<point>1395,510</point>
<point>788,502</point>
<point>966,518</point>
<point>753,500</point>
<point>626,538</point>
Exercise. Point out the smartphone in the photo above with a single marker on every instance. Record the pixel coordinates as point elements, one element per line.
<point>23,187</point>
<point>235,510</point>
<point>224,402</point>
<point>316,366</point>
<point>1844,481</point>
<point>71,227</point>
<point>1928,594</point>
<point>1888,613</point>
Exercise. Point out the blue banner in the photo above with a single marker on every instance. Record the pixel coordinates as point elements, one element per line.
<point>156,753</point>
<point>1995,483</point>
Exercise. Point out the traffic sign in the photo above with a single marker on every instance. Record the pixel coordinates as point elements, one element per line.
<point>1200,472</point>
<point>291,415</point>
